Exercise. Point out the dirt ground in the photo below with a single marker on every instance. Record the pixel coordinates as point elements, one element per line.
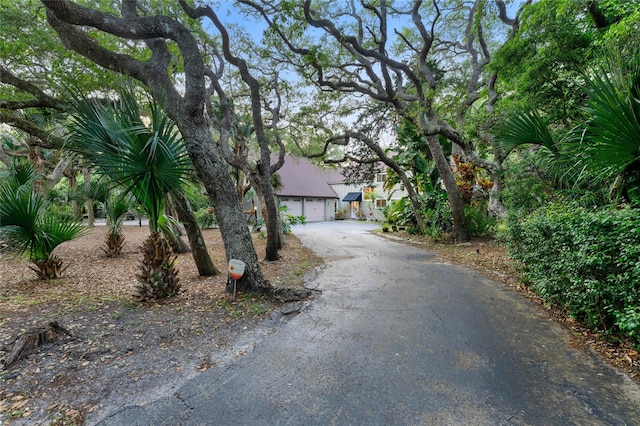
<point>124,352</point>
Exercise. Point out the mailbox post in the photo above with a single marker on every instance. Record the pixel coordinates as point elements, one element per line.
<point>236,270</point>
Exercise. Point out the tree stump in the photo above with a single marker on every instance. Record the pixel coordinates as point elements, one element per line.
<point>31,340</point>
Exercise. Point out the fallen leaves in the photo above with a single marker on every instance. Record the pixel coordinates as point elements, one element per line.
<point>121,349</point>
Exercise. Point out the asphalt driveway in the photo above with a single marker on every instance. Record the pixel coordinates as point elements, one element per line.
<point>399,337</point>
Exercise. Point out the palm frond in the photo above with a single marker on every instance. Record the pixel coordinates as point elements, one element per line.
<point>20,208</point>
<point>97,190</point>
<point>614,126</point>
<point>116,209</point>
<point>55,231</point>
<point>147,162</point>
<point>525,128</point>
<point>26,227</point>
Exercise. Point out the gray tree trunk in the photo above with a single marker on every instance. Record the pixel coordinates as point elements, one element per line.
<point>214,175</point>
<point>177,244</point>
<point>88,201</point>
<point>460,227</point>
<point>203,261</point>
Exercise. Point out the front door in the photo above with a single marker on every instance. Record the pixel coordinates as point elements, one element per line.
<point>355,207</point>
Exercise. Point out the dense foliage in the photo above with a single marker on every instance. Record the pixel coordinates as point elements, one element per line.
<point>29,224</point>
<point>584,260</point>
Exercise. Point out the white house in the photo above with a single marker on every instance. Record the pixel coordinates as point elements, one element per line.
<point>320,193</point>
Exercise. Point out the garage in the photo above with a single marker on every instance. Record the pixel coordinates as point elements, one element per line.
<point>294,205</point>
<point>314,209</point>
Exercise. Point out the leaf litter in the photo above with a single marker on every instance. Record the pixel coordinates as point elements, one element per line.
<point>119,351</point>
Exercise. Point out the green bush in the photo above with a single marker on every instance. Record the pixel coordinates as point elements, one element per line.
<point>197,197</point>
<point>289,220</point>
<point>400,212</point>
<point>480,223</point>
<point>62,211</point>
<point>206,218</point>
<point>587,261</point>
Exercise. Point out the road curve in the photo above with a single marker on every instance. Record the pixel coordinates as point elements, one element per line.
<point>399,337</point>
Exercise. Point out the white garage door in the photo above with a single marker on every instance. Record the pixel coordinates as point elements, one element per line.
<point>314,209</point>
<point>294,206</point>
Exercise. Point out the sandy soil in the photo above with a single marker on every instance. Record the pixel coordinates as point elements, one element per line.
<point>122,351</point>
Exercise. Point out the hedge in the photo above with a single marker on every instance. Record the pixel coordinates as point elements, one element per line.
<point>586,261</point>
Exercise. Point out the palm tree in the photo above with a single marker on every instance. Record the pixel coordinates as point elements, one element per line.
<point>29,226</point>
<point>115,208</point>
<point>147,162</point>
<point>605,148</point>
<point>611,142</point>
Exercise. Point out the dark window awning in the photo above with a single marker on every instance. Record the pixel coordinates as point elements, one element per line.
<point>353,196</point>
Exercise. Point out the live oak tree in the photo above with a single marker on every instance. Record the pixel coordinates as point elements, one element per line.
<point>185,96</point>
<point>166,38</point>
<point>260,173</point>
<point>393,54</point>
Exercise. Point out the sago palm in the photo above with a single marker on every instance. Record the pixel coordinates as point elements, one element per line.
<point>147,162</point>
<point>29,227</point>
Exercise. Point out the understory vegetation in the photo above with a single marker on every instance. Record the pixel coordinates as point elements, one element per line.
<point>585,261</point>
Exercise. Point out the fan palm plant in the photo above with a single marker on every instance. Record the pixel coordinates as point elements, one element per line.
<point>605,148</point>
<point>551,157</point>
<point>147,162</point>
<point>611,142</point>
<point>115,209</point>
<point>29,226</point>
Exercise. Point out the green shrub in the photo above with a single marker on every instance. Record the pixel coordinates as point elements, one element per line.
<point>258,225</point>
<point>400,212</point>
<point>480,223</point>
<point>62,211</point>
<point>197,197</point>
<point>289,220</point>
<point>206,218</point>
<point>587,261</point>
<point>341,214</point>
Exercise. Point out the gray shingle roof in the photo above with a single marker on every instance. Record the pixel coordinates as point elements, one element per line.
<point>300,178</point>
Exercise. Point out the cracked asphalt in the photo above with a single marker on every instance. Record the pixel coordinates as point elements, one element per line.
<point>400,337</point>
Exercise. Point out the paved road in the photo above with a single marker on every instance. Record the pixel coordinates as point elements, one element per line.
<point>399,337</point>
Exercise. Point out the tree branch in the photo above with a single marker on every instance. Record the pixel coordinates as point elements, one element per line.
<point>42,99</point>
<point>43,138</point>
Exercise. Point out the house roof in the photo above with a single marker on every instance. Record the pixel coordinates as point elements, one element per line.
<point>300,178</point>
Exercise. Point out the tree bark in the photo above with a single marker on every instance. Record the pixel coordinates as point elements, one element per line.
<point>214,174</point>
<point>496,208</point>
<point>177,244</point>
<point>281,236</point>
<point>88,201</point>
<point>184,106</point>
<point>203,261</point>
<point>272,221</point>
<point>456,204</point>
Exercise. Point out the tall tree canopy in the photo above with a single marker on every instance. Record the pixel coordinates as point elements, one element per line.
<point>173,69</point>
<point>425,62</point>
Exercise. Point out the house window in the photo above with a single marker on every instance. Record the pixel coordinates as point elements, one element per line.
<point>380,203</point>
<point>368,190</point>
<point>381,177</point>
